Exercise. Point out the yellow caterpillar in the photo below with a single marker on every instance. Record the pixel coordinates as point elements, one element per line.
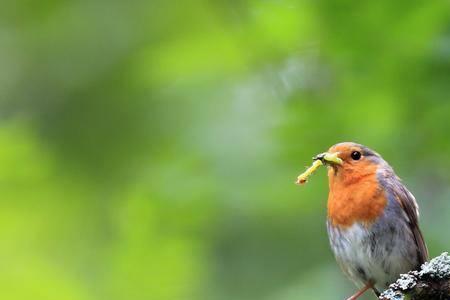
<point>302,178</point>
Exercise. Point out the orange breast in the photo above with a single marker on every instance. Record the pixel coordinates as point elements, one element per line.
<point>354,196</point>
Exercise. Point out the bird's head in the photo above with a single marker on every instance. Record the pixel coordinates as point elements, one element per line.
<point>356,192</point>
<point>348,162</point>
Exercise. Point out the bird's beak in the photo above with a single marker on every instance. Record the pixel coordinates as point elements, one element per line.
<point>329,158</point>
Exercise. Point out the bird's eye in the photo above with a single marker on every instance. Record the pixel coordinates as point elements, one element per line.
<point>356,155</point>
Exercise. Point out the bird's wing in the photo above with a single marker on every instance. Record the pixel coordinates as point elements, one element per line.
<point>409,204</point>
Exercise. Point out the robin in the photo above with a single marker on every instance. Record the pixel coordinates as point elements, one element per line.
<point>372,219</point>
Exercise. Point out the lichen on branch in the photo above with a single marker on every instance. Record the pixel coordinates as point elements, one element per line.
<point>432,281</point>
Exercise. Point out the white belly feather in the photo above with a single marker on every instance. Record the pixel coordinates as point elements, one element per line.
<point>374,253</point>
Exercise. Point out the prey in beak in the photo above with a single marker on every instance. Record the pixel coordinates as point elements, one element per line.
<point>326,158</point>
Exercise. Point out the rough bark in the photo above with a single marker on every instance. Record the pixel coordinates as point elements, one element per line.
<point>432,281</point>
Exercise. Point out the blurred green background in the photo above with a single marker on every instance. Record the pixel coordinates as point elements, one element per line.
<point>148,149</point>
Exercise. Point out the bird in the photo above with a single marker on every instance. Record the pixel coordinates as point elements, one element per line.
<point>372,218</point>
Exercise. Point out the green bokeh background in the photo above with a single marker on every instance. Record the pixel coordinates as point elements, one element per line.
<point>148,149</point>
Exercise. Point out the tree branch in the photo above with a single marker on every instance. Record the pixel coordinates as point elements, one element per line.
<point>431,282</point>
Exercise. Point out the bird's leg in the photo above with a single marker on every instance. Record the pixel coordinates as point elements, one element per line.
<point>369,285</point>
